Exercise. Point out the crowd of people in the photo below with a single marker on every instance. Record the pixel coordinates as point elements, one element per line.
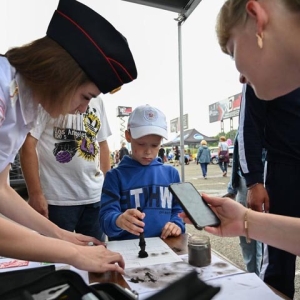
<point>166,154</point>
<point>117,155</point>
<point>46,92</point>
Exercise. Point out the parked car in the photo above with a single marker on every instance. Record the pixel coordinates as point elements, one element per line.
<point>214,155</point>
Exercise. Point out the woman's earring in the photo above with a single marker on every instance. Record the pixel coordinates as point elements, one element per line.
<point>260,42</point>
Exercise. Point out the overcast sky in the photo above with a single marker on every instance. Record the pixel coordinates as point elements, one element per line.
<point>208,74</point>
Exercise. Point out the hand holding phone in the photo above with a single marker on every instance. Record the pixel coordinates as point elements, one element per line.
<point>198,211</point>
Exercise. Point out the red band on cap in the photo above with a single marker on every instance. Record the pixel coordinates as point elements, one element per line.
<point>95,44</point>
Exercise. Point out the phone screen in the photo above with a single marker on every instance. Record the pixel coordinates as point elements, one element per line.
<point>194,206</point>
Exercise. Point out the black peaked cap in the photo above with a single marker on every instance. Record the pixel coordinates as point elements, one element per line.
<point>100,50</point>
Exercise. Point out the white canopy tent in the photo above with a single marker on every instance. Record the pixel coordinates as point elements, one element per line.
<point>184,8</point>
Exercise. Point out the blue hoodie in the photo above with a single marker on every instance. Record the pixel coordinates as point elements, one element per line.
<point>133,185</point>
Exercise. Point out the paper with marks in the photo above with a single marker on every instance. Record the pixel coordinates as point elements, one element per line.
<point>158,252</point>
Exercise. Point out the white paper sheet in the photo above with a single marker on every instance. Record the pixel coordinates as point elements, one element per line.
<point>247,286</point>
<point>218,268</point>
<point>244,286</point>
<point>158,252</point>
<point>156,277</point>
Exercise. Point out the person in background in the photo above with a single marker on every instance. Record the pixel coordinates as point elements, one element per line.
<point>54,72</point>
<point>237,189</point>
<point>223,155</point>
<point>112,159</point>
<point>123,151</point>
<point>161,154</point>
<point>203,157</point>
<point>167,152</point>
<point>64,161</point>
<point>176,156</point>
<point>117,158</point>
<point>141,181</point>
<point>186,157</point>
<point>171,155</point>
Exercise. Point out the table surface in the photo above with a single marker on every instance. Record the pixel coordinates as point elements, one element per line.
<point>177,244</point>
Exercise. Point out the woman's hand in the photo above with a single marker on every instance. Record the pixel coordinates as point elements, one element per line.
<point>79,239</point>
<point>230,213</point>
<point>97,259</point>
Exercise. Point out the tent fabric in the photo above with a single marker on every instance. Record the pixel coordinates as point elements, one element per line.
<point>190,137</point>
<point>182,7</point>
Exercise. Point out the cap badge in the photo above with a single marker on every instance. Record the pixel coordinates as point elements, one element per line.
<point>150,115</point>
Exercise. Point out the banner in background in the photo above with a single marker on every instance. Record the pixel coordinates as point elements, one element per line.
<point>225,109</point>
<point>175,124</point>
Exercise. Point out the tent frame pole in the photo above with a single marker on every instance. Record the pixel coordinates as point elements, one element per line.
<point>180,21</point>
<point>182,16</point>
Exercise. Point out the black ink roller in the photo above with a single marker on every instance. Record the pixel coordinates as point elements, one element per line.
<point>142,243</point>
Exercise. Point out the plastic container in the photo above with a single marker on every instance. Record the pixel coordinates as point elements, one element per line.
<point>199,250</point>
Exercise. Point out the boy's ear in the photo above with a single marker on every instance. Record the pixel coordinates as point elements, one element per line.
<point>128,136</point>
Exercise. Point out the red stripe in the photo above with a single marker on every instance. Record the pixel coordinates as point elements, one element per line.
<point>99,49</point>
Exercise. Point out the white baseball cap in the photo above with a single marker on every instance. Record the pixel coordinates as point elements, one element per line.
<point>145,120</point>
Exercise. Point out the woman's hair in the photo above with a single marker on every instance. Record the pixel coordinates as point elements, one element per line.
<point>223,138</point>
<point>203,142</point>
<point>233,13</point>
<point>49,71</point>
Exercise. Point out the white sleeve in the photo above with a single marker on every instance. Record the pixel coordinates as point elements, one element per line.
<point>42,119</point>
<point>105,130</point>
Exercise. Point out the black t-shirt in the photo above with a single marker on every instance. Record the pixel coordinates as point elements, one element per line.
<point>161,152</point>
<point>122,152</point>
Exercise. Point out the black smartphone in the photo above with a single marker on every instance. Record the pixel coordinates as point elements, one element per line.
<point>194,206</point>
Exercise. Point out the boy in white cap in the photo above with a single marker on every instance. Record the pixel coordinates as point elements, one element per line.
<point>141,181</point>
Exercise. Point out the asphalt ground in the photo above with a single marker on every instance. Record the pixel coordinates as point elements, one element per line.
<point>215,184</point>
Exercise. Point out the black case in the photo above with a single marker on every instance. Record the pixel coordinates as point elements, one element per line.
<point>190,287</point>
<point>14,279</point>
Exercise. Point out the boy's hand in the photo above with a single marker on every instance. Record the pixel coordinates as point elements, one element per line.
<point>130,221</point>
<point>170,229</point>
